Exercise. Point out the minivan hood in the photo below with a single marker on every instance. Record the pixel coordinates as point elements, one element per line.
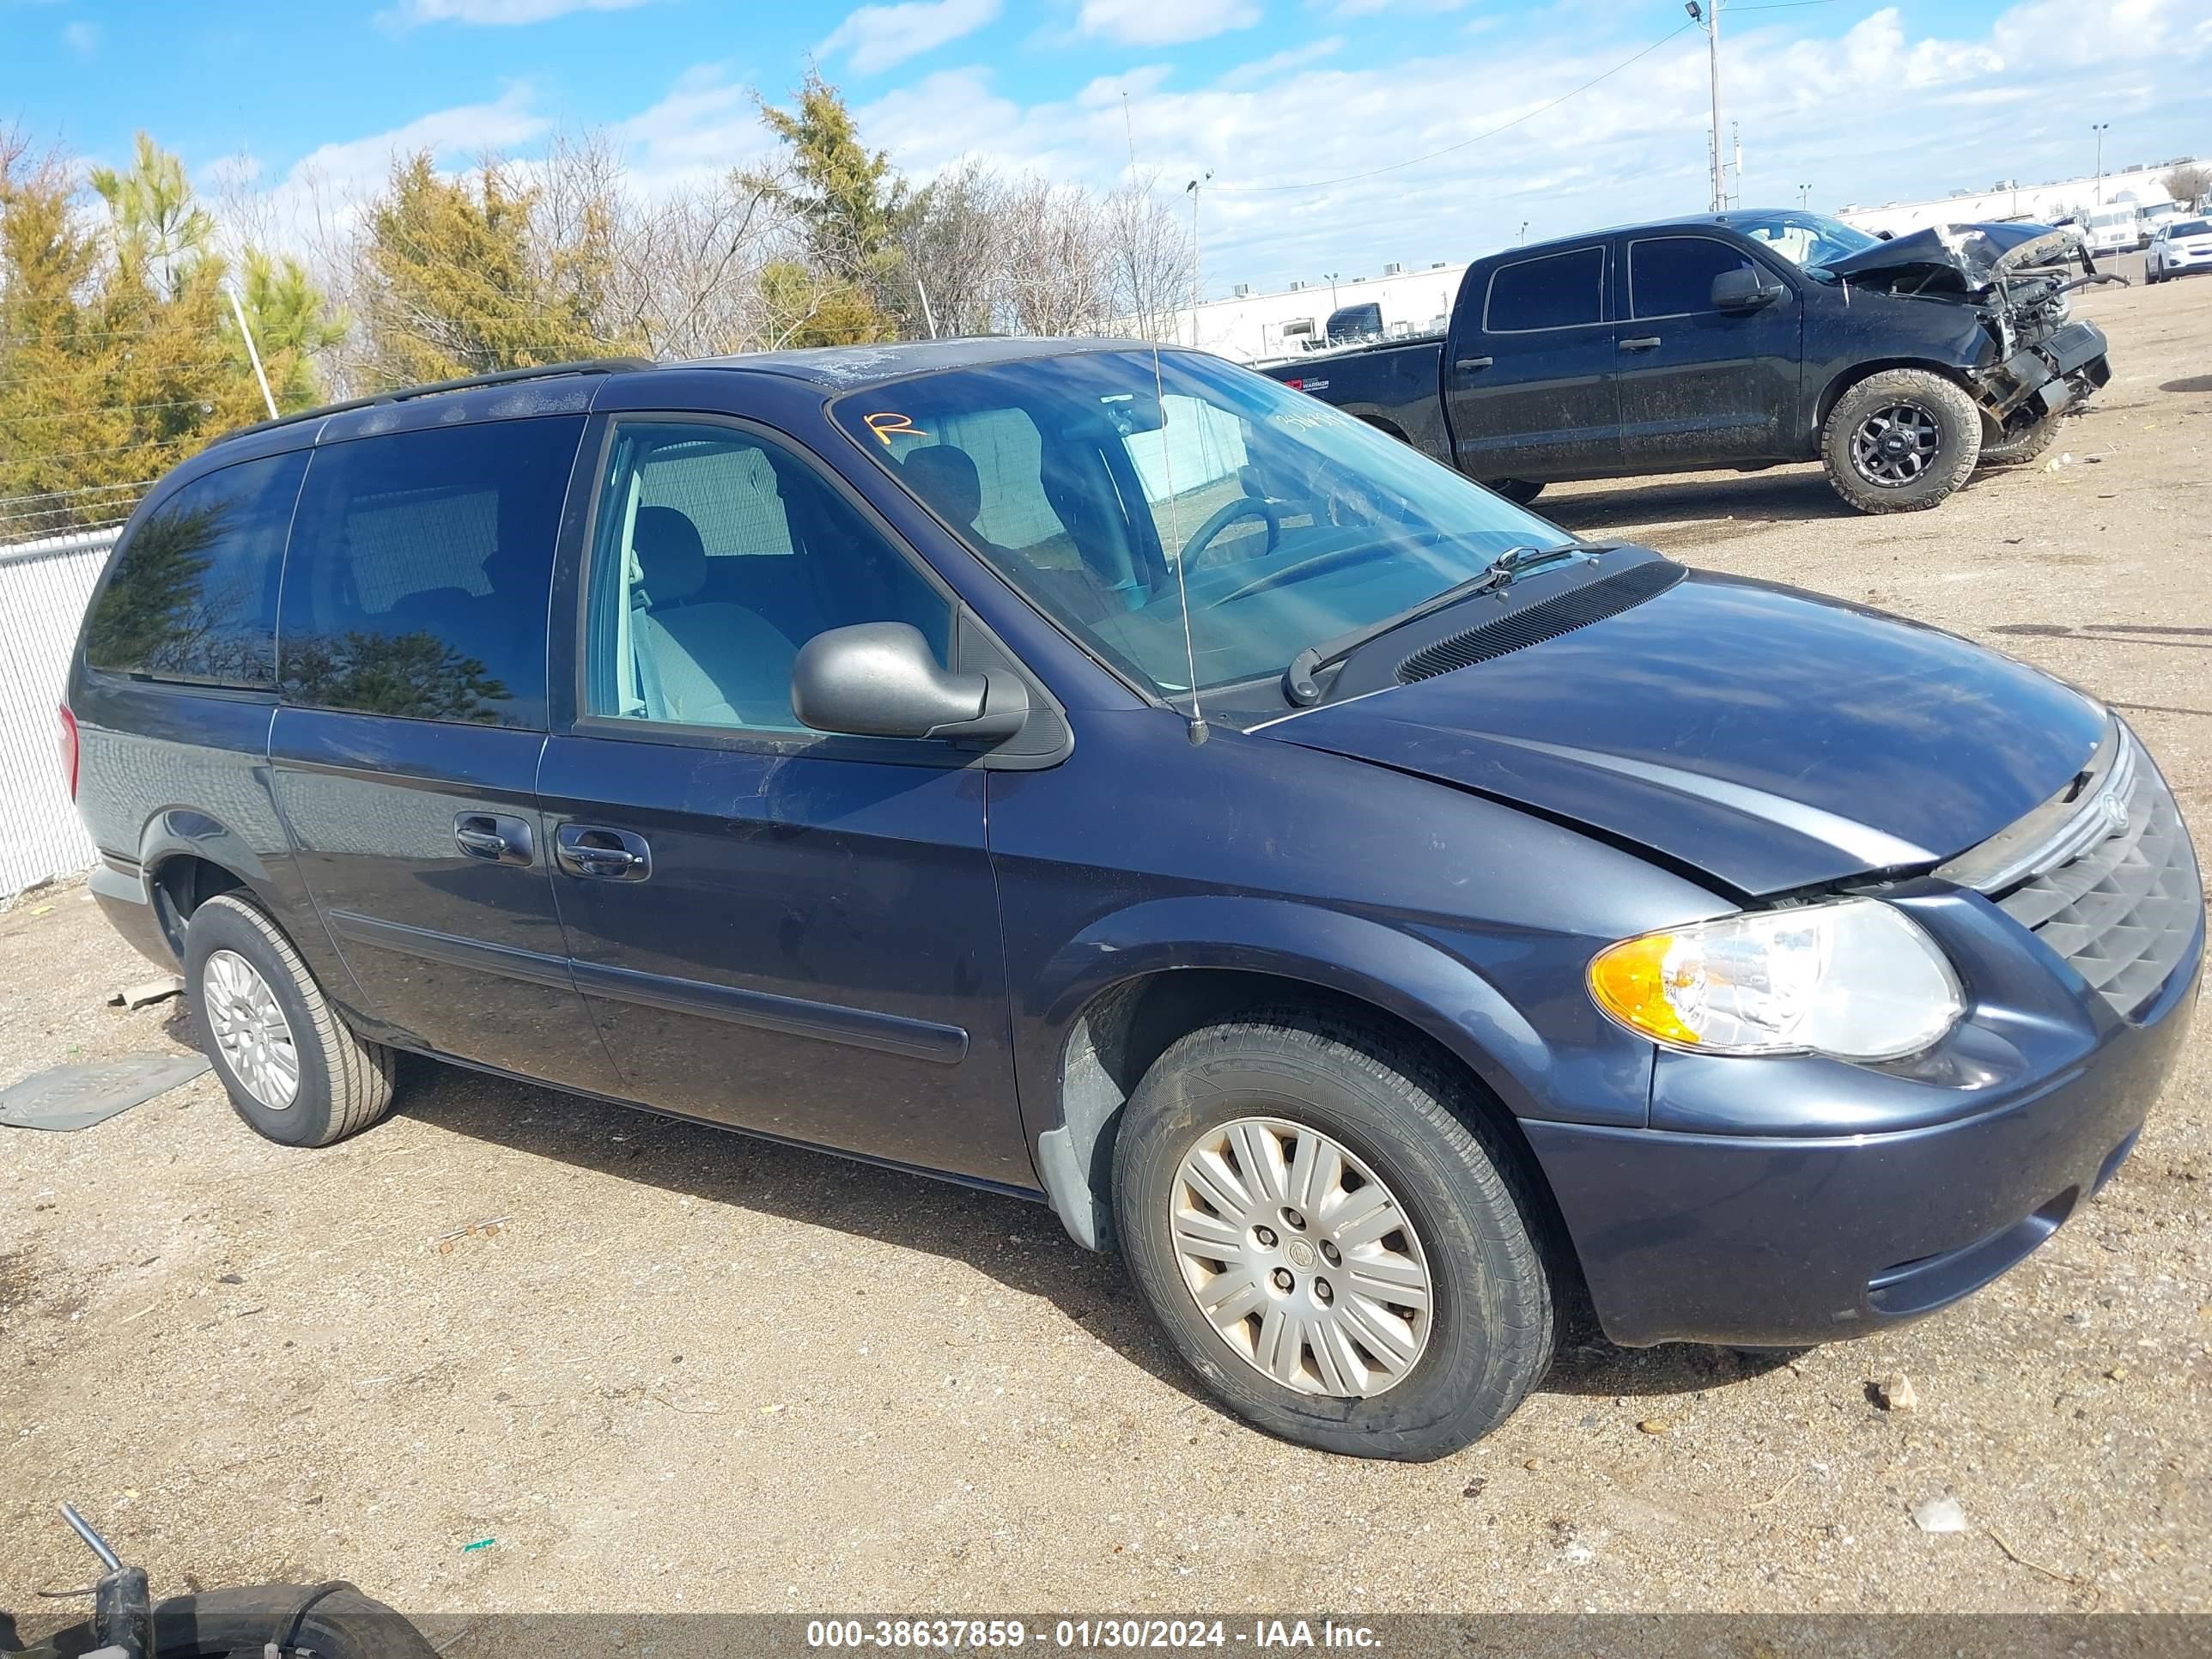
<point>1769,739</point>
<point>1967,257</point>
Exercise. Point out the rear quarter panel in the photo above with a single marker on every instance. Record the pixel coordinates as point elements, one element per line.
<point>1394,388</point>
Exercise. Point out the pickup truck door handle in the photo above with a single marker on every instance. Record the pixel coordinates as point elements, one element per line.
<point>494,837</point>
<point>1469,365</point>
<point>1641,343</point>
<point>602,855</point>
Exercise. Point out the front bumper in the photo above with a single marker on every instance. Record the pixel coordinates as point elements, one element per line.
<point>2045,377</point>
<point>1778,1239</point>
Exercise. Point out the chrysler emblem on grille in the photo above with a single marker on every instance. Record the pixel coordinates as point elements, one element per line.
<point>2116,814</point>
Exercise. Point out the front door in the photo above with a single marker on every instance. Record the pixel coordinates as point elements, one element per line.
<point>1528,371</point>
<point>403,756</point>
<point>793,933</point>
<point>1700,386</point>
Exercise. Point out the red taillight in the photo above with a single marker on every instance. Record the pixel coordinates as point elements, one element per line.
<point>69,749</point>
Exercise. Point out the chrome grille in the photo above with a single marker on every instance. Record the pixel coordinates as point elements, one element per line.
<point>2123,907</point>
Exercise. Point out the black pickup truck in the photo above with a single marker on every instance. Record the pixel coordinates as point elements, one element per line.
<point>1742,339</point>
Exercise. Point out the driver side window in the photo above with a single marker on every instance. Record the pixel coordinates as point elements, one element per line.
<point>717,555</point>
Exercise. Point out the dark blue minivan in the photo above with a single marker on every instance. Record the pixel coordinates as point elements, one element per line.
<point>1110,777</point>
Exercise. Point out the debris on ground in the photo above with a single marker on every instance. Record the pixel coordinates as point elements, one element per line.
<point>1939,1515</point>
<point>1655,1425</point>
<point>146,993</point>
<point>1895,1393</point>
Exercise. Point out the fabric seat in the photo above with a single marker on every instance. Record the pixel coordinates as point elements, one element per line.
<point>703,662</point>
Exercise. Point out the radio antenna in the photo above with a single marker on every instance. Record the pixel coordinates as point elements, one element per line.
<point>1196,732</point>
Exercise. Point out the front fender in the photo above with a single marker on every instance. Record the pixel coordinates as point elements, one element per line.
<point>1398,971</point>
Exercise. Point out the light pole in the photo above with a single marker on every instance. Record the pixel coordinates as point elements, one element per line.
<point>1197,291</point>
<point>1524,230</point>
<point>1804,195</point>
<point>2098,127</point>
<point>1710,15</point>
<point>1331,276</point>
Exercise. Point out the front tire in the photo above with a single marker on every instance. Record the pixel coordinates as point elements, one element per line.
<point>295,1070</point>
<point>1901,440</point>
<point>2017,448</point>
<point>1344,1260</point>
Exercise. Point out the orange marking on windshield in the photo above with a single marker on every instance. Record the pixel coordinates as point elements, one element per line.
<point>883,423</point>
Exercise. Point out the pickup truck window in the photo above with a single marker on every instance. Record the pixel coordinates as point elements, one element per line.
<point>1808,240</point>
<point>1673,276</point>
<point>1555,290</point>
<point>1285,521</point>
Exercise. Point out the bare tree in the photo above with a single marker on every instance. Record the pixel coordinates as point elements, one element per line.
<point>952,241</point>
<point>2189,183</point>
<point>1153,260</point>
<point>1059,272</point>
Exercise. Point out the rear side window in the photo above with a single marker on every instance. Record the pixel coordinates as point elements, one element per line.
<point>193,594</point>
<point>1673,276</point>
<point>1558,290</point>
<point>421,569</point>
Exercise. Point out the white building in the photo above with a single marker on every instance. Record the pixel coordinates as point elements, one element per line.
<point>2012,200</point>
<point>1249,327</point>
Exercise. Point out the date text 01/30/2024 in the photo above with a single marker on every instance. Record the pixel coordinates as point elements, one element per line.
<point>1087,1634</point>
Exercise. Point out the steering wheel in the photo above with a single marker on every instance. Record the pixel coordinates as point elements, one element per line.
<point>1244,507</point>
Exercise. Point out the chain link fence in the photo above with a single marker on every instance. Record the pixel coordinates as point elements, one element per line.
<point>44,587</point>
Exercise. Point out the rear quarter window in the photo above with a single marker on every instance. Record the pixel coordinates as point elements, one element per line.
<point>421,570</point>
<point>192,596</point>
<point>1554,291</point>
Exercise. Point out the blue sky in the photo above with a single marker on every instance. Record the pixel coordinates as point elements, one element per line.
<point>1863,101</point>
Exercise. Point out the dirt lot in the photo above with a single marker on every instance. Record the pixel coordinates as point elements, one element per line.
<point>686,1365</point>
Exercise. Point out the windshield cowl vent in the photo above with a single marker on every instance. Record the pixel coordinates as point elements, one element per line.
<point>1544,620</point>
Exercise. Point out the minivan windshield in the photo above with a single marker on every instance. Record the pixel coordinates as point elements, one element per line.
<point>1090,481</point>
<point>1808,240</point>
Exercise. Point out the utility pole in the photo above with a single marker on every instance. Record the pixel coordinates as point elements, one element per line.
<point>252,355</point>
<point>1197,288</point>
<point>1710,15</point>
<point>2097,127</point>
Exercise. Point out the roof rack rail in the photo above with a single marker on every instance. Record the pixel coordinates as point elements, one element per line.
<point>501,377</point>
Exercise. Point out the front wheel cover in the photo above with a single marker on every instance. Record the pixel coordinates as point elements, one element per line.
<point>1421,1383</point>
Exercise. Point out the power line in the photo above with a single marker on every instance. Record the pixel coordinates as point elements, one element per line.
<point>81,490</point>
<point>1373,173</point>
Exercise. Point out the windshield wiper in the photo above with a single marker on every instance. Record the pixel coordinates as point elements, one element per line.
<point>1298,688</point>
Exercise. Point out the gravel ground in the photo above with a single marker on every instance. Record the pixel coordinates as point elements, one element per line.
<point>662,1367</point>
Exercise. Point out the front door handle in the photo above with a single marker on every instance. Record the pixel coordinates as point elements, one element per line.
<point>494,837</point>
<point>1641,343</point>
<point>602,855</point>
<point>1469,365</point>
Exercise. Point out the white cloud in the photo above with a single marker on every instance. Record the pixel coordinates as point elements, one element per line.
<point>703,128</point>
<point>878,37</point>
<point>1265,68</point>
<point>1164,22</point>
<point>460,134</point>
<point>498,13</point>
<point>81,38</point>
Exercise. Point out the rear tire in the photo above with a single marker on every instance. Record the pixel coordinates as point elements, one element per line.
<point>295,1070</point>
<point>1901,440</point>
<point>1427,1376</point>
<point>1519,491</point>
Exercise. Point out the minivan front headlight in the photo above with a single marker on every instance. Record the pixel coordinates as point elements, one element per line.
<point>1854,978</point>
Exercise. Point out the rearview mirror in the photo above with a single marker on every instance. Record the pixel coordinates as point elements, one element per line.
<point>880,680</point>
<point>1744,290</point>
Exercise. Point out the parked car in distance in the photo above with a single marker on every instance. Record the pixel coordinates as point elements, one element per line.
<point>2181,246</point>
<point>1744,339</point>
<point>1351,324</point>
<point>810,743</point>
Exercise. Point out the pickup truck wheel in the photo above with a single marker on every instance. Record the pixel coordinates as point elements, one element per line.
<point>1901,440</point>
<point>1344,1260</point>
<point>1519,491</point>
<point>2019,447</point>
<point>295,1070</point>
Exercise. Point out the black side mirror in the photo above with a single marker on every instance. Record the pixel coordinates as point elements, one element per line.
<point>1744,289</point>
<point>879,680</point>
